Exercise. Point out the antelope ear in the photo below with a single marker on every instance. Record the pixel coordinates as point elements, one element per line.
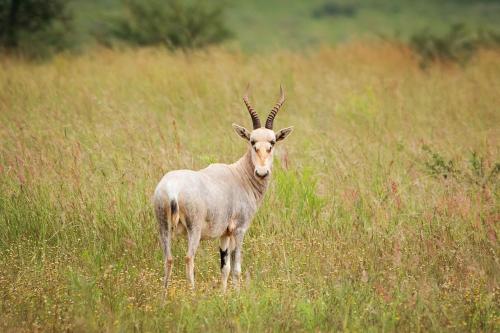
<point>242,131</point>
<point>283,133</point>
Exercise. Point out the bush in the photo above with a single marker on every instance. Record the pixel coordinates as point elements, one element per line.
<point>474,171</point>
<point>458,45</point>
<point>34,28</point>
<point>333,9</point>
<point>173,23</point>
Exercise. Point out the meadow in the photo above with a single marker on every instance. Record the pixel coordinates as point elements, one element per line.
<point>382,215</point>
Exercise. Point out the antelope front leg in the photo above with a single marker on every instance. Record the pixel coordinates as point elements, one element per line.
<point>225,261</point>
<point>236,259</point>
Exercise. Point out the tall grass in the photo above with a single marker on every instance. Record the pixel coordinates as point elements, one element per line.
<point>359,231</point>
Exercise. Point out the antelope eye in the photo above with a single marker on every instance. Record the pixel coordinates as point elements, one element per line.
<point>272,143</point>
<point>252,142</point>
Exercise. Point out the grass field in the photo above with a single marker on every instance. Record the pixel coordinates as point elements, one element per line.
<point>383,213</point>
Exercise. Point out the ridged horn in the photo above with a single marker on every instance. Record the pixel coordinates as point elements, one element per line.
<point>253,114</point>
<point>274,111</point>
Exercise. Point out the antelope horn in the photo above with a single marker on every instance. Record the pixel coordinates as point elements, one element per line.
<point>253,114</point>
<point>274,111</point>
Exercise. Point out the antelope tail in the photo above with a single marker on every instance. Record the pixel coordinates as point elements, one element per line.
<point>174,214</point>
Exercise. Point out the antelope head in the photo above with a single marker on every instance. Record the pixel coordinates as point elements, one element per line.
<point>263,139</point>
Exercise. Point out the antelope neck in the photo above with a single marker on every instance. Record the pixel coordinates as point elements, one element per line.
<point>255,185</point>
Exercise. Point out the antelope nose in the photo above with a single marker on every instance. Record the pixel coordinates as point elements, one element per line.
<point>262,175</point>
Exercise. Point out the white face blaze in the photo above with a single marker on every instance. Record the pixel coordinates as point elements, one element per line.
<point>262,142</point>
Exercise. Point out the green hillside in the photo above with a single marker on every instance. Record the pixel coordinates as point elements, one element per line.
<point>270,24</point>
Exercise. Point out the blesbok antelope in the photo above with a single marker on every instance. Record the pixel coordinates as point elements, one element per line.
<point>220,200</point>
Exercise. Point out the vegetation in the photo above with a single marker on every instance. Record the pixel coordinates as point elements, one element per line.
<point>269,25</point>
<point>174,23</point>
<point>457,46</point>
<point>360,230</point>
<point>35,28</point>
<point>259,25</point>
<point>332,8</point>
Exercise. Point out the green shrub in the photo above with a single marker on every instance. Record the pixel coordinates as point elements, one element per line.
<point>475,171</point>
<point>458,45</point>
<point>173,23</point>
<point>329,9</point>
<point>34,28</point>
<point>437,166</point>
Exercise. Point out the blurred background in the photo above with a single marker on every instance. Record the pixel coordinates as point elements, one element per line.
<point>448,29</point>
